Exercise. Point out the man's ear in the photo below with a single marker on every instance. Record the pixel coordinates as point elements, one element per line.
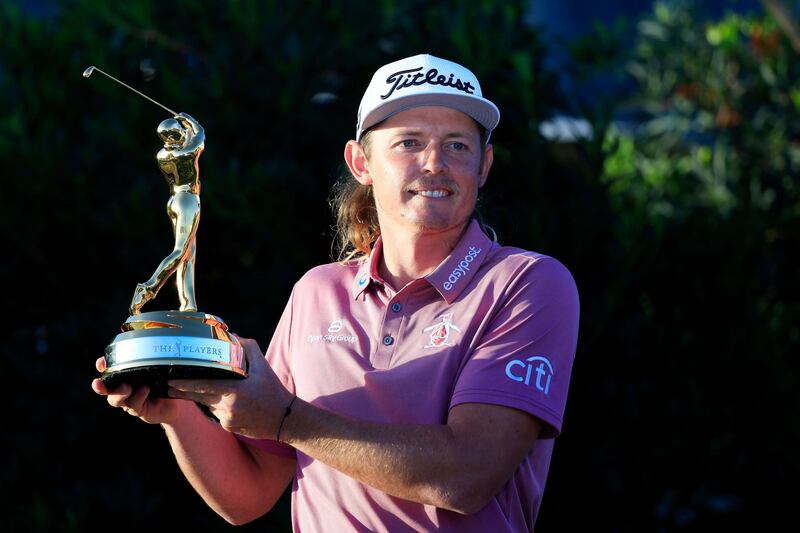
<point>357,162</point>
<point>486,164</point>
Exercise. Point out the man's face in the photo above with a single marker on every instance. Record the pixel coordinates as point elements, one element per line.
<point>426,165</point>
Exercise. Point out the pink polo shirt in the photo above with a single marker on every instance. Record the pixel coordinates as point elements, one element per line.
<point>492,324</point>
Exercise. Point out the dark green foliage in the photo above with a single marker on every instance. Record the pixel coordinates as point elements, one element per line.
<point>679,235</point>
<point>276,86</point>
<point>698,338</point>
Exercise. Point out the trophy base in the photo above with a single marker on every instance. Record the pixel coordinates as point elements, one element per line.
<point>156,377</point>
<point>158,346</point>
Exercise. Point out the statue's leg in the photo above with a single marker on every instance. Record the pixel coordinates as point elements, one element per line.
<point>184,212</point>
<point>186,279</point>
<point>186,226</point>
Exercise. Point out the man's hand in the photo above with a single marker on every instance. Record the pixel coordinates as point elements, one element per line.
<point>239,482</point>
<point>253,406</point>
<point>137,403</point>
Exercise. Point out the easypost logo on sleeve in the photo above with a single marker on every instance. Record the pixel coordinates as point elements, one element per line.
<point>524,371</point>
<point>462,268</point>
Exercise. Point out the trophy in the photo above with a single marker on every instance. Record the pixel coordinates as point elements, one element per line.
<point>156,346</point>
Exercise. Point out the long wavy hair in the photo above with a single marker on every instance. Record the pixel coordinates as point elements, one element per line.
<point>353,206</point>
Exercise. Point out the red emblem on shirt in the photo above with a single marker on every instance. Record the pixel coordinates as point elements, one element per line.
<point>440,332</point>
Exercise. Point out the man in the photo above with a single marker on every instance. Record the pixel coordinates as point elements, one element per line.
<point>420,384</point>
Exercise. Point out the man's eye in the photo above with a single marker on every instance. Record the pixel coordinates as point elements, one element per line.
<point>459,147</point>
<point>408,143</point>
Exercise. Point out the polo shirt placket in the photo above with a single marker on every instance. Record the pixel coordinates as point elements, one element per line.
<point>449,279</point>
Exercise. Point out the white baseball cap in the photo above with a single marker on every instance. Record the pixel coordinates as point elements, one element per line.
<point>424,80</point>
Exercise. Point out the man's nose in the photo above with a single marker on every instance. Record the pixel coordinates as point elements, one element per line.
<point>435,160</point>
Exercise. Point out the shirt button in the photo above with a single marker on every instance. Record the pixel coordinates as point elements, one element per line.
<point>388,340</point>
<point>396,307</point>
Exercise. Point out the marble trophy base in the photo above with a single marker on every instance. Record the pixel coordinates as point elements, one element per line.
<point>161,345</point>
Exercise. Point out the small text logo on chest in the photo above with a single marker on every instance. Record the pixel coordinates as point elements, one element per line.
<point>337,332</point>
<point>440,332</point>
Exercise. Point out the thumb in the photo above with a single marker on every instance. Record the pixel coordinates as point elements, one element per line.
<point>253,355</point>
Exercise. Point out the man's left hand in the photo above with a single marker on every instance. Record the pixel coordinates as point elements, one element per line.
<point>252,407</point>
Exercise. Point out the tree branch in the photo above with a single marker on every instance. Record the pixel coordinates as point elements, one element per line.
<point>785,20</point>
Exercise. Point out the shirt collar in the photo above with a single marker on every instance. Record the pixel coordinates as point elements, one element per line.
<point>451,276</point>
<point>368,271</point>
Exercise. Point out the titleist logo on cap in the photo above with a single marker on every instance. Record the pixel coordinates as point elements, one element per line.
<point>419,81</point>
<point>406,78</point>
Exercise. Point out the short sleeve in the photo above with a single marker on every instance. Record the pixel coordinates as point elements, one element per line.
<point>279,358</point>
<point>524,357</point>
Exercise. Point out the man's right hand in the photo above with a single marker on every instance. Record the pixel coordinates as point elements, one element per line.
<point>138,403</point>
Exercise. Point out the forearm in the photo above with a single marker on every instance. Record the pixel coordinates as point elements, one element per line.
<point>219,467</point>
<point>458,465</point>
<point>422,463</point>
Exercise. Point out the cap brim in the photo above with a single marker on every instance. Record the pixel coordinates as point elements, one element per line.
<point>480,109</point>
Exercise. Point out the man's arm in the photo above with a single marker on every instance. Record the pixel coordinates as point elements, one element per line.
<point>458,466</point>
<point>238,481</point>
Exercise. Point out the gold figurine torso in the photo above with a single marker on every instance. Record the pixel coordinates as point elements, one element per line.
<point>180,169</point>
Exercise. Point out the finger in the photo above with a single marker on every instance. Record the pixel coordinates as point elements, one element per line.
<point>136,400</point>
<point>118,397</point>
<point>205,399</point>
<point>252,354</point>
<point>200,386</point>
<point>248,343</point>
<point>99,387</point>
<point>100,364</point>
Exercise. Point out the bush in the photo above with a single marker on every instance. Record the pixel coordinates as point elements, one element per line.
<point>702,317</point>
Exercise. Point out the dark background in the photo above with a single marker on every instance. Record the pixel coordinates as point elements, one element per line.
<point>676,214</point>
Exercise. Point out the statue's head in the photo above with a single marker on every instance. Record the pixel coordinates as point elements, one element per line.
<point>172,133</point>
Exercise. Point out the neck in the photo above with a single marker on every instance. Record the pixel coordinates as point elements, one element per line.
<point>409,256</point>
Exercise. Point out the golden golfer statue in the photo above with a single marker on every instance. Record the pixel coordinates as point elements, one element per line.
<point>184,140</point>
<point>156,346</point>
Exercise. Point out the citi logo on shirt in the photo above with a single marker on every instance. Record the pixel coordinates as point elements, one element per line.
<point>523,371</point>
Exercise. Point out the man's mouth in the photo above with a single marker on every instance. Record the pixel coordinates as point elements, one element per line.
<point>428,188</point>
<point>432,193</point>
